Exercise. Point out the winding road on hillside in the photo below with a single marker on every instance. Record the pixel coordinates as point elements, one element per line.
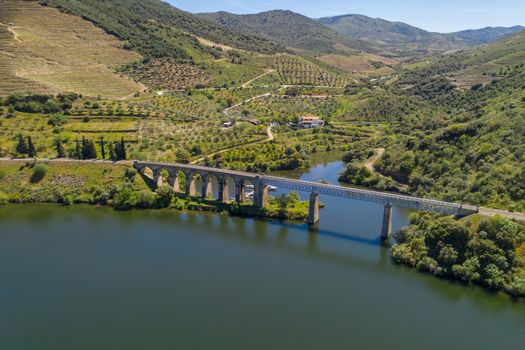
<point>245,85</point>
<point>370,165</point>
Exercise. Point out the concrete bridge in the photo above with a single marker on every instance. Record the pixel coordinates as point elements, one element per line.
<point>170,174</point>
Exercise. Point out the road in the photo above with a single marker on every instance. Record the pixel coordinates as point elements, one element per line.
<point>245,85</point>
<point>372,160</point>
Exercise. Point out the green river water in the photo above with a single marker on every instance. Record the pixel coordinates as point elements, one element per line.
<point>92,278</point>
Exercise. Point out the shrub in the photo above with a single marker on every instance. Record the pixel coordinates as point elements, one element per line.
<point>4,199</point>
<point>164,196</point>
<point>2,174</point>
<point>125,199</point>
<point>39,173</point>
<point>146,199</point>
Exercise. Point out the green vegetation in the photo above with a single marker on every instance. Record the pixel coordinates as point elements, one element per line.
<point>120,187</point>
<point>486,251</point>
<point>157,29</point>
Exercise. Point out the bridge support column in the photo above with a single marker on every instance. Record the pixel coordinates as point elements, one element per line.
<point>173,181</point>
<point>313,210</point>
<point>224,191</point>
<point>191,189</point>
<point>206,186</point>
<point>386,230</point>
<point>239,191</point>
<point>260,197</point>
<point>158,179</point>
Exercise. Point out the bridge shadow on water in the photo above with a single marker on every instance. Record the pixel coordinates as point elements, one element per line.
<point>327,233</point>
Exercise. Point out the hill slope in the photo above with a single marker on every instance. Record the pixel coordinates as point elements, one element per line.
<point>158,29</point>
<point>401,38</point>
<point>466,68</point>
<point>45,51</point>
<point>290,29</point>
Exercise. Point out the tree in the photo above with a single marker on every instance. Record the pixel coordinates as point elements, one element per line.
<point>112,154</point>
<point>78,151</point>
<point>31,151</point>
<point>59,148</point>
<point>21,146</point>
<point>88,149</point>
<point>102,147</point>
<point>123,155</point>
<point>164,196</point>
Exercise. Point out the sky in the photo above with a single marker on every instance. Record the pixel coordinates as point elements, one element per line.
<point>434,15</point>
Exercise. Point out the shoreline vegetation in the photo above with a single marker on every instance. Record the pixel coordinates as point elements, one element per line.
<point>489,252</point>
<point>121,187</point>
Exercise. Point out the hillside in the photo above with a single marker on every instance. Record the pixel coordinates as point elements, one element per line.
<point>45,51</point>
<point>400,39</point>
<point>465,68</point>
<point>291,30</point>
<point>157,29</point>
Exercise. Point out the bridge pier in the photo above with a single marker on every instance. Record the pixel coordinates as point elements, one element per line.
<point>206,186</point>
<point>173,181</point>
<point>313,210</point>
<point>191,186</point>
<point>224,190</point>
<point>158,179</point>
<point>260,197</point>
<point>386,230</point>
<point>239,191</point>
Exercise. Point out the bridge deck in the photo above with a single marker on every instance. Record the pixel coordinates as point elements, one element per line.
<point>324,189</point>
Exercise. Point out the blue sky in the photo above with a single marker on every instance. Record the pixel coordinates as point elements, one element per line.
<point>434,15</point>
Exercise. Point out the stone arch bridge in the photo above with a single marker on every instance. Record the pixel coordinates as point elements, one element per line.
<point>259,184</point>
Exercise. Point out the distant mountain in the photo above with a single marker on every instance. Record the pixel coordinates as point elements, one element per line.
<point>401,38</point>
<point>290,29</point>
<point>485,35</point>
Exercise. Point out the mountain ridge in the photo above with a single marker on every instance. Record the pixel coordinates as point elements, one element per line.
<point>289,29</point>
<point>394,35</point>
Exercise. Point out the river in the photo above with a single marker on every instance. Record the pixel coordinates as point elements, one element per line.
<point>92,278</point>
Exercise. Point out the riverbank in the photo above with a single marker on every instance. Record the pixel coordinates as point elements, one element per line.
<point>120,186</point>
<point>475,250</point>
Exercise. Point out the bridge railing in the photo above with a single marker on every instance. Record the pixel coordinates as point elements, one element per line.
<point>362,194</point>
<point>324,189</point>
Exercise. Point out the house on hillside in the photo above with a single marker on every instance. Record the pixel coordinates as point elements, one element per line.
<point>227,125</point>
<point>310,122</point>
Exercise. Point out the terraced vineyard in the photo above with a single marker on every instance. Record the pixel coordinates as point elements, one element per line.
<point>163,138</point>
<point>299,71</point>
<point>287,108</point>
<point>45,51</point>
<point>162,74</point>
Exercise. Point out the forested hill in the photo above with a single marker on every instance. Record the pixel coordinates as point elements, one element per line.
<point>157,29</point>
<point>290,29</point>
<point>472,148</point>
<point>402,38</point>
<point>465,69</point>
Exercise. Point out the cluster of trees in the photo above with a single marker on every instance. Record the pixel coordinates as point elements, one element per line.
<point>86,149</point>
<point>483,251</point>
<point>356,174</point>
<point>39,103</point>
<point>25,147</point>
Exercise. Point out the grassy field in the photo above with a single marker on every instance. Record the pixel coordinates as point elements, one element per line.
<point>43,50</point>
<point>76,180</point>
